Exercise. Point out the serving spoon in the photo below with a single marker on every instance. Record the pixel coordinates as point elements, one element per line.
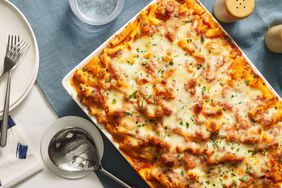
<point>73,150</point>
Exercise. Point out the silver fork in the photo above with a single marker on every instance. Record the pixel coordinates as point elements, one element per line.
<point>14,52</point>
<point>12,39</point>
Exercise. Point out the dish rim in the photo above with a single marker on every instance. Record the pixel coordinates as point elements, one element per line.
<point>70,90</point>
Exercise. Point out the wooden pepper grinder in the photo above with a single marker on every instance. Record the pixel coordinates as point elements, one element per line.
<point>229,11</point>
<point>273,39</point>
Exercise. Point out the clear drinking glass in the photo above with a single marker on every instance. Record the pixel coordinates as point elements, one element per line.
<point>96,12</point>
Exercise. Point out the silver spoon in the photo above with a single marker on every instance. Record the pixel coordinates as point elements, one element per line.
<point>72,149</point>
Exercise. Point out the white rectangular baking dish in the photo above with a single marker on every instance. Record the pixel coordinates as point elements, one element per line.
<point>67,84</point>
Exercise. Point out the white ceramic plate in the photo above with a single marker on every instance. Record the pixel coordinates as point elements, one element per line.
<point>12,21</point>
<point>64,123</point>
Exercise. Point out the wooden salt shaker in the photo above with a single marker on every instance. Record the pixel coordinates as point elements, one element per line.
<point>229,11</point>
<point>273,39</point>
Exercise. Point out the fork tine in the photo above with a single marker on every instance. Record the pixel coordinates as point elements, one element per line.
<point>22,52</point>
<point>15,40</point>
<point>15,48</point>
<point>8,46</point>
<point>12,42</point>
<point>24,47</point>
<point>17,52</point>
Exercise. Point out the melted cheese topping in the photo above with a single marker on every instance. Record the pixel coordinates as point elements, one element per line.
<point>183,104</point>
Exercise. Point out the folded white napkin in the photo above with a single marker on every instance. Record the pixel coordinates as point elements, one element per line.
<point>17,162</point>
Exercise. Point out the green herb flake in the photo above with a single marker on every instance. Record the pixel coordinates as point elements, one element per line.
<point>243,179</point>
<point>187,21</point>
<point>202,38</point>
<point>204,90</point>
<point>114,101</point>
<point>127,113</point>
<point>199,66</point>
<point>252,152</point>
<point>84,69</point>
<point>158,133</point>
<point>264,151</point>
<point>248,170</point>
<point>133,95</point>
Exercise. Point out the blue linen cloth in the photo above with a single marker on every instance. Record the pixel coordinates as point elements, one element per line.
<point>64,41</point>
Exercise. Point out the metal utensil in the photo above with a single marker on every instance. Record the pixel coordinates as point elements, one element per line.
<point>72,149</point>
<point>14,52</point>
<point>12,40</point>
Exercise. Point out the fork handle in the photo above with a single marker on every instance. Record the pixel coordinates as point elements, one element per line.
<point>4,128</point>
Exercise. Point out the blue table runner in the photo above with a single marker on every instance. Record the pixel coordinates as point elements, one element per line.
<point>64,41</point>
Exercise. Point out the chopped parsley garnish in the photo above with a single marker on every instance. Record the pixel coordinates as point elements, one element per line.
<point>215,144</point>
<point>248,170</point>
<point>128,62</point>
<point>243,179</point>
<point>199,66</point>
<point>204,90</point>
<point>253,152</point>
<point>264,151</point>
<point>114,101</point>
<point>84,69</point>
<point>171,63</point>
<point>247,82</point>
<point>189,40</point>
<point>133,95</point>
<point>127,113</point>
<point>158,133</point>
<point>202,39</point>
<point>151,120</point>
<point>182,172</point>
<point>187,21</point>
<point>143,63</point>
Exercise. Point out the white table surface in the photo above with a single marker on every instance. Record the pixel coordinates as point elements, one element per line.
<point>35,115</point>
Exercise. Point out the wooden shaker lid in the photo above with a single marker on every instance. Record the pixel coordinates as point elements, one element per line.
<point>240,8</point>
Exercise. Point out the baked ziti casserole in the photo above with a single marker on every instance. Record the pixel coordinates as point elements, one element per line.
<point>182,102</point>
